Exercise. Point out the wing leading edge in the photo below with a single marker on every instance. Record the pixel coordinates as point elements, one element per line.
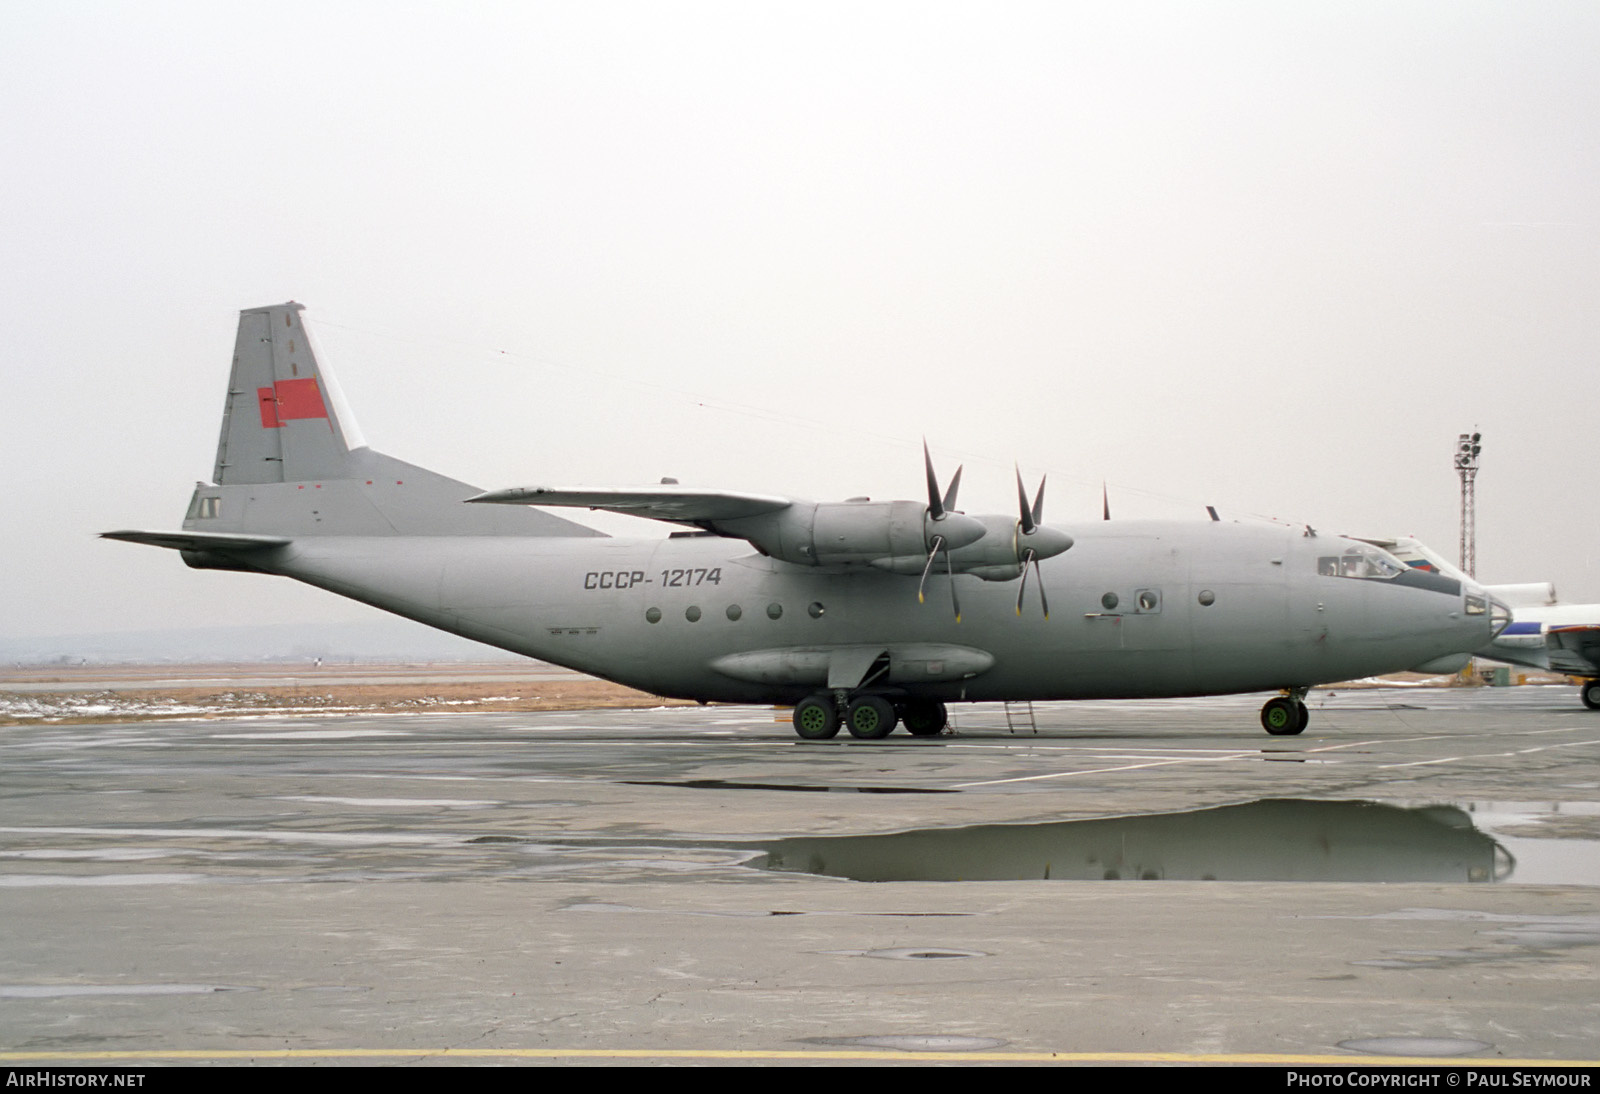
<point>675,504</point>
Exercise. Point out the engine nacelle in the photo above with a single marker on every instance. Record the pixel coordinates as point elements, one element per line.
<point>895,535</point>
<point>998,556</point>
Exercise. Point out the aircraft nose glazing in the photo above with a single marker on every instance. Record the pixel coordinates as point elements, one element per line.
<point>1499,616</point>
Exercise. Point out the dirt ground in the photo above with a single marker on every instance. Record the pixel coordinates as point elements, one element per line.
<point>100,694</point>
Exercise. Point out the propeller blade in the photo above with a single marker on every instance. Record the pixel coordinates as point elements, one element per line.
<point>950,570</point>
<point>938,541</point>
<point>1030,557</point>
<point>1038,502</point>
<point>935,505</point>
<point>1022,506</point>
<point>1105,503</point>
<point>950,494</point>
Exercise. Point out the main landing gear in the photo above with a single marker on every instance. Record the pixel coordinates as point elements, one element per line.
<point>1286,715</point>
<point>868,717</point>
<point>1589,692</point>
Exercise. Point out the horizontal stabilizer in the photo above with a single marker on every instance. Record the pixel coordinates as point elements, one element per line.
<point>199,541</point>
<point>678,504</point>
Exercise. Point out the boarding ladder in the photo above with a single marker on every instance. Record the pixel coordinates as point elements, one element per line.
<point>1019,715</point>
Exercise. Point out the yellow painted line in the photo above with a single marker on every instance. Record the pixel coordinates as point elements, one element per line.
<point>780,1054</point>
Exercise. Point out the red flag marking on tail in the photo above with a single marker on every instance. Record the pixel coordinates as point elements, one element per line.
<point>290,399</point>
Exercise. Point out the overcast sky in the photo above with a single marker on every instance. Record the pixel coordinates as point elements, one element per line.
<point>1270,257</point>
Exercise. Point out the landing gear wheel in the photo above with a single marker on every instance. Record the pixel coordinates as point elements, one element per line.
<point>1305,715</point>
<point>1590,694</point>
<point>816,719</point>
<point>1282,716</point>
<point>925,717</point>
<point>870,718</point>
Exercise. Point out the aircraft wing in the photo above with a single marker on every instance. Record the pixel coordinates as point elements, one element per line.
<point>1574,648</point>
<point>669,502</point>
<point>199,541</point>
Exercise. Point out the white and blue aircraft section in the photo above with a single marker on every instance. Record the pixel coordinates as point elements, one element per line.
<point>1542,634</point>
<point>836,607</point>
<point>1554,637</point>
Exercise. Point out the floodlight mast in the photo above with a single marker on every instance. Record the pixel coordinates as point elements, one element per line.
<point>1467,448</point>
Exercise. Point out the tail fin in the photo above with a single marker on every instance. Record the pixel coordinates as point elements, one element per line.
<point>291,461</point>
<point>284,420</point>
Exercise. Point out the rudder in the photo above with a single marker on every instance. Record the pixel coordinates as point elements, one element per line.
<point>284,421</point>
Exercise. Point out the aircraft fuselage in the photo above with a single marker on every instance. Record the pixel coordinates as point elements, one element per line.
<point>1138,609</point>
<point>865,614</point>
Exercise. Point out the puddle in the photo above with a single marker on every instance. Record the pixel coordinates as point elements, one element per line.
<point>45,881</point>
<point>922,953</point>
<point>914,1042</point>
<point>309,735</point>
<point>724,784</point>
<point>69,991</point>
<point>1273,840</point>
<point>1554,843</point>
<point>1508,936</point>
<point>393,803</point>
<point>1418,1046</point>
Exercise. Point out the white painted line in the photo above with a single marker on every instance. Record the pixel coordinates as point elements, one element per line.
<point>1108,770</point>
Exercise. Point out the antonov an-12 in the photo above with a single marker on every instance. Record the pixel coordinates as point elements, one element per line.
<point>861,614</point>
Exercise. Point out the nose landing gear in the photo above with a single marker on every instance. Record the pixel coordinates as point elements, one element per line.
<point>1286,715</point>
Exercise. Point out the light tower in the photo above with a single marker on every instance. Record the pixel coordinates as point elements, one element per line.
<point>1467,449</point>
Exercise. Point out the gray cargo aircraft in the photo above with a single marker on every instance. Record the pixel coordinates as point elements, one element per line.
<point>770,599</point>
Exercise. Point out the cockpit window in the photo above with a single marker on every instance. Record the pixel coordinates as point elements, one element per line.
<point>1499,616</point>
<point>1361,561</point>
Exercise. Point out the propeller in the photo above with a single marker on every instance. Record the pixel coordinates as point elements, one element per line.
<point>1035,541</point>
<point>1105,502</point>
<point>946,529</point>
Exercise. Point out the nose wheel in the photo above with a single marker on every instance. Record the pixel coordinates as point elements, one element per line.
<point>1285,715</point>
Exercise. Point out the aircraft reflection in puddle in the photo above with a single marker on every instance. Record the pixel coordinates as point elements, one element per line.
<point>1272,840</point>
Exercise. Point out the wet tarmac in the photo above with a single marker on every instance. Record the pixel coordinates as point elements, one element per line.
<point>1418,876</point>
